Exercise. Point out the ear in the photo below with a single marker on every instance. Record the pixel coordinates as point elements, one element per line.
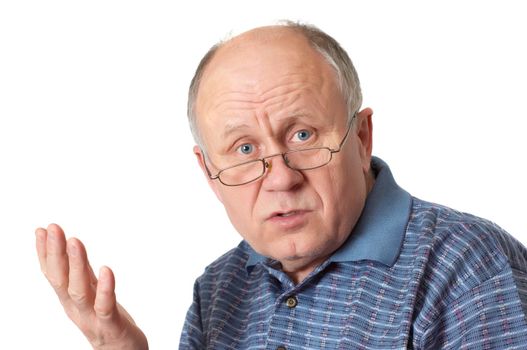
<point>364,129</point>
<point>214,184</point>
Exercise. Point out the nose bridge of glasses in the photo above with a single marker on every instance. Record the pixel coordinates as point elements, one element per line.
<point>268,161</point>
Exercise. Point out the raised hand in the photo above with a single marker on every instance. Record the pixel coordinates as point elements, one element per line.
<point>89,302</point>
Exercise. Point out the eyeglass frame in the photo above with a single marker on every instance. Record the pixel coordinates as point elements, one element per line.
<point>266,165</point>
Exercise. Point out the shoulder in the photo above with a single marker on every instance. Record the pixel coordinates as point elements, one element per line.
<point>461,251</point>
<point>453,235</point>
<point>471,278</point>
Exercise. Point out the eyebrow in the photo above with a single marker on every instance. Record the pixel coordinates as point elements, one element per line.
<point>232,128</point>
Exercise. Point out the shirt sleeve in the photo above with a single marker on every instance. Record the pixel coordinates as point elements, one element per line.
<point>489,316</point>
<point>192,337</point>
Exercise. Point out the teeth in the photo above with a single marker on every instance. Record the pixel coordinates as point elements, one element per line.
<point>287,214</point>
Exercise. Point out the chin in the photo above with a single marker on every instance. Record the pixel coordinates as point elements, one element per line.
<point>304,250</point>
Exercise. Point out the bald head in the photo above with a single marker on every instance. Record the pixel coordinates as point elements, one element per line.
<point>265,35</point>
<point>306,45</point>
<point>256,49</point>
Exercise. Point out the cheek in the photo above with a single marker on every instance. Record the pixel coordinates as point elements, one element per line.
<point>240,203</point>
<point>344,195</point>
<point>326,188</point>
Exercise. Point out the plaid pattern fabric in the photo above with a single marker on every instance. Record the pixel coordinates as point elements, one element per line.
<point>458,282</point>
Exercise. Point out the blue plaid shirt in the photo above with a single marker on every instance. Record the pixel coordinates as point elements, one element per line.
<point>411,275</point>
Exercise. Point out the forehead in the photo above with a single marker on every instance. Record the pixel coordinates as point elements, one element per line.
<point>262,77</point>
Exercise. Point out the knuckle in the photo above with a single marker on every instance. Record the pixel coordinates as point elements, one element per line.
<point>77,297</point>
<point>56,283</point>
<point>103,312</point>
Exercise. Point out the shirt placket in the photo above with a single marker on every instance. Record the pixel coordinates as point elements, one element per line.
<point>284,320</point>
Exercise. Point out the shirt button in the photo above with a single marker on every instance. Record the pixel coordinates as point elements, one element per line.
<point>281,348</point>
<point>291,302</point>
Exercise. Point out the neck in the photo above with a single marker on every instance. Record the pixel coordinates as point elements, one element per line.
<point>298,272</point>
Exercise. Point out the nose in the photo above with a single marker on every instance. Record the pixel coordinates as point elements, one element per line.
<point>280,177</point>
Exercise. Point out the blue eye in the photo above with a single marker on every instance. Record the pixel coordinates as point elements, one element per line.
<point>303,135</point>
<point>246,148</point>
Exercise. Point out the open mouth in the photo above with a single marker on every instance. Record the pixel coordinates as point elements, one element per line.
<point>284,215</point>
<point>289,220</point>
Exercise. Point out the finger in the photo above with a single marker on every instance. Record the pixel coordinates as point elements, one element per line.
<point>105,303</point>
<point>40,242</point>
<point>93,278</point>
<point>80,288</point>
<point>57,266</point>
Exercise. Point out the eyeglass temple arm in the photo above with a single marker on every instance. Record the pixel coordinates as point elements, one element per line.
<point>346,135</point>
<point>212,177</point>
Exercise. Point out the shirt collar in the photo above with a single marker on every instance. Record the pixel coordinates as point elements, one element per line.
<point>379,233</point>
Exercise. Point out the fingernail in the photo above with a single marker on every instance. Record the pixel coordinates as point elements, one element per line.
<point>52,235</point>
<point>72,250</point>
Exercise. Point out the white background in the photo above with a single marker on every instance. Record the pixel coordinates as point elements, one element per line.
<point>93,134</point>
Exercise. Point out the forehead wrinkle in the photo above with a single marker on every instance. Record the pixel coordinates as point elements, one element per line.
<point>237,103</point>
<point>223,100</point>
<point>281,98</point>
<point>306,103</point>
<point>252,96</point>
<point>274,109</point>
<point>299,86</point>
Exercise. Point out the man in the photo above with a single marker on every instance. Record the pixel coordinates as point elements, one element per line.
<point>334,254</point>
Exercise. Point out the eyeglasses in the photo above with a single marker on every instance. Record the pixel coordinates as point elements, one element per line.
<point>301,159</point>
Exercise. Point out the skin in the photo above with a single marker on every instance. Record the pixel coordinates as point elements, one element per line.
<point>88,301</point>
<point>261,88</point>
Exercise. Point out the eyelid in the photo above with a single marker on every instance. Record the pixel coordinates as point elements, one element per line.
<point>236,148</point>
<point>297,130</point>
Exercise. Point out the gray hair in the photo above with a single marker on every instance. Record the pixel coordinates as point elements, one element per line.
<point>328,47</point>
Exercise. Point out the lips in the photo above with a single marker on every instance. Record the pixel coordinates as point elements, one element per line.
<point>286,213</point>
<point>289,220</point>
